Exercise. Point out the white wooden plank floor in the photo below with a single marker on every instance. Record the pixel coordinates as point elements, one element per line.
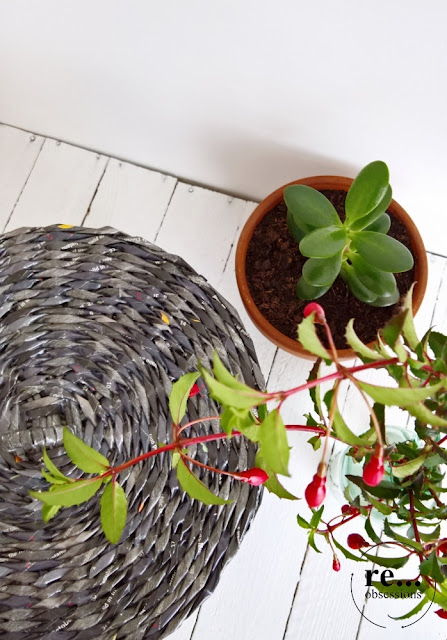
<point>274,589</point>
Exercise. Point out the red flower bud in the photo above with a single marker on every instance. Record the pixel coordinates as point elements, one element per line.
<point>441,613</point>
<point>319,312</point>
<point>356,541</point>
<point>374,470</point>
<point>442,548</point>
<point>348,510</point>
<point>194,390</point>
<point>316,491</point>
<point>336,563</point>
<point>251,476</point>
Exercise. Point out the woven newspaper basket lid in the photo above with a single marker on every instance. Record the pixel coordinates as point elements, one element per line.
<point>95,326</point>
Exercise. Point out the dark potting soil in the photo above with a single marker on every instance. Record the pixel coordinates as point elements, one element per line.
<point>274,264</point>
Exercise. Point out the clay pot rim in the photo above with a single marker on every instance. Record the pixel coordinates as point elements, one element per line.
<point>318,182</point>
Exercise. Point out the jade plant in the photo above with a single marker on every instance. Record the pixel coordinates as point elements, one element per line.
<point>402,482</point>
<point>357,249</point>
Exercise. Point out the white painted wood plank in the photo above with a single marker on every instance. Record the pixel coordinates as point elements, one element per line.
<point>131,199</point>
<point>60,187</point>
<point>184,631</point>
<point>18,153</point>
<point>440,313</point>
<point>437,269</point>
<point>201,225</point>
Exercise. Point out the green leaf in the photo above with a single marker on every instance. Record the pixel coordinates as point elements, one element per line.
<point>175,459</point>
<point>348,555</point>
<point>297,228</point>
<point>54,471</point>
<point>324,242</point>
<point>69,495</point>
<point>383,252</point>
<point>242,420</point>
<point>426,416</point>
<point>312,541</point>
<point>438,344</point>
<point>321,272</point>
<point>408,329</point>
<point>381,225</point>
<point>395,536</point>
<point>273,443</point>
<point>272,485</point>
<point>82,455</point>
<point>179,395</point>
<point>52,479</point>
<point>380,506</point>
<point>237,398</point>
<point>314,392</point>
<point>113,511</point>
<point>195,487</point>
<point>396,563</point>
<point>343,432</point>
<point>386,301</point>
<point>385,490</point>
<point>49,511</point>
<point>431,567</point>
<point>225,377</point>
<point>367,190</point>
<point>370,218</point>
<point>361,292</point>
<point>308,337</point>
<point>306,291</point>
<point>302,522</point>
<point>399,396</point>
<point>315,441</point>
<point>381,283</point>
<point>421,604</point>
<point>408,468</point>
<point>370,531</point>
<point>358,346</point>
<point>309,207</point>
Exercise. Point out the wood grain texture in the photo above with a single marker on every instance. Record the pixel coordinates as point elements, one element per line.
<point>60,187</point>
<point>18,153</point>
<point>131,199</point>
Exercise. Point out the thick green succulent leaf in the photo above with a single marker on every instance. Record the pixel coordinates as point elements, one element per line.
<point>273,442</point>
<point>194,487</point>
<point>367,191</point>
<point>357,288</point>
<point>358,346</point>
<point>309,207</point>
<point>321,272</point>
<point>386,301</point>
<point>113,511</point>
<point>382,252</point>
<point>308,337</point>
<point>272,485</point>
<point>306,291</point>
<point>68,495</point>
<point>381,283</point>
<point>179,395</point>
<point>82,455</point>
<point>297,228</point>
<point>375,214</point>
<point>324,242</point>
<point>381,225</point>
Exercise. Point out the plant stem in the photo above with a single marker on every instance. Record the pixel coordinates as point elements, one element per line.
<point>198,421</point>
<point>414,523</point>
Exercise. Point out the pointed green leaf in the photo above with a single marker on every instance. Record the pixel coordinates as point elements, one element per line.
<point>273,442</point>
<point>306,291</point>
<point>311,539</point>
<point>113,511</point>
<point>321,272</point>
<point>408,329</point>
<point>381,225</point>
<point>399,396</point>
<point>175,459</point>
<point>237,398</point>
<point>343,432</point>
<point>380,506</point>
<point>367,190</point>
<point>194,487</point>
<point>54,471</point>
<point>431,567</point>
<point>408,468</point>
<point>420,605</point>
<point>383,252</point>
<point>272,485</point>
<point>222,374</point>
<point>179,395</point>
<point>366,221</point>
<point>348,555</point>
<point>357,345</point>
<point>309,207</point>
<point>426,416</point>
<point>323,242</point>
<point>308,337</point>
<point>385,489</point>
<point>316,517</point>
<point>302,522</point>
<point>370,531</point>
<point>395,536</point>
<point>82,455</point>
<point>52,479</point>
<point>49,511</point>
<point>69,495</point>
<point>396,563</point>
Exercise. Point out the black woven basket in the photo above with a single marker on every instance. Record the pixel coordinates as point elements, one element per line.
<point>94,328</point>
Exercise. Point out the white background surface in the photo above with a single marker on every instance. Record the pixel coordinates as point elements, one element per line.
<point>242,95</point>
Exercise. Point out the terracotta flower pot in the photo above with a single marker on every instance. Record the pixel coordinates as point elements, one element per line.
<point>319,182</point>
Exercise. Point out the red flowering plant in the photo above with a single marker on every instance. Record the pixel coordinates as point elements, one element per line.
<point>402,483</point>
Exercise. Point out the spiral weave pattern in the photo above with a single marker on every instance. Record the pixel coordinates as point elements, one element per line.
<point>94,328</point>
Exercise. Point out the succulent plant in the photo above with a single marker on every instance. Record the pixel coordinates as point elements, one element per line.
<point>357,249</point>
